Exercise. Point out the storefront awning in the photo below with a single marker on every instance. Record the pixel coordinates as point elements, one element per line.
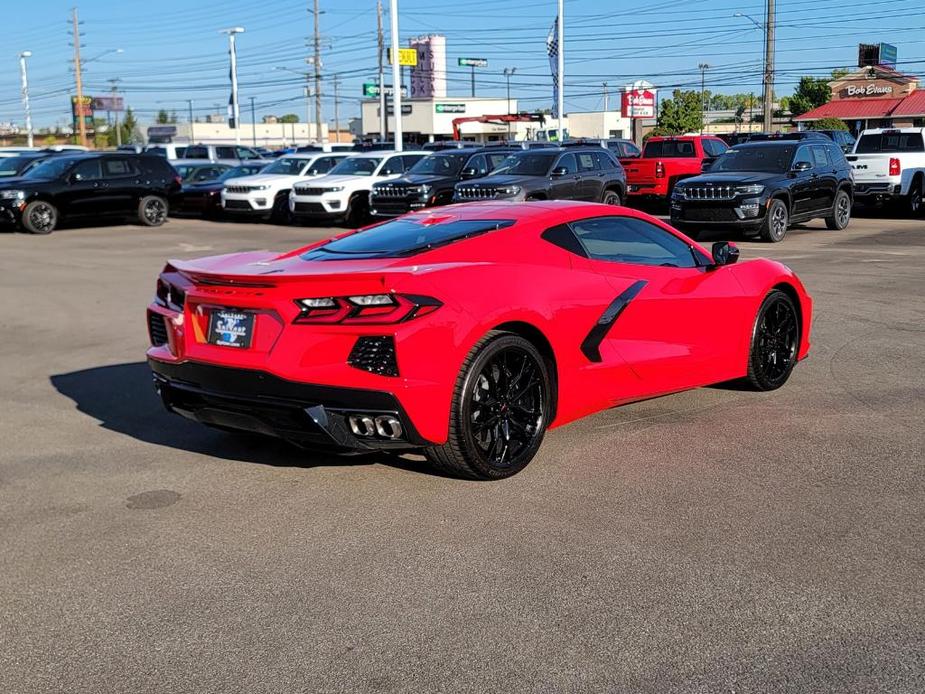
<point>853,109</point>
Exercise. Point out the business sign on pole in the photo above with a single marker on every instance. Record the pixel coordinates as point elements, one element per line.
<point>406,56</point>
<point>406,109</point>
<point>82,109</point>
<point>472,62</point>
<point>450,108</point>
<point>888,55</point>
<point>371,90</point>
<point>107,103</point>
<point>639,100</point>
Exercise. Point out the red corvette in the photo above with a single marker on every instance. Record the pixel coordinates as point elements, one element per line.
<point>467,331</point>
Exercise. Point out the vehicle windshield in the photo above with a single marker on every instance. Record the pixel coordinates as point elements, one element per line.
<point>402,237</point>
<point>440,165</point>
<point>238,171</point>
<point>12,166</point>
<point>287,166</point>
<point>186,170</point>
<point>763,159</point>
<point>889,142</point>
<point>668,149</point>
<point>526,164</point>
<point>356,166</point>
<point>50,168</point>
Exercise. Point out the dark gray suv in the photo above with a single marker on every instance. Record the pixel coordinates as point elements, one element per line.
<point>566,173</point>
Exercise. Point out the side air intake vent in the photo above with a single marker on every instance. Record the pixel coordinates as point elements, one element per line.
<point>157,331</point>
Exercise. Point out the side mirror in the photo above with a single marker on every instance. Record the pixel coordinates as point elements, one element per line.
<point>801,166</point>
<point>559,171</point>
<point>73,178</point>
<point>724,253</point>
<point>469,172</point>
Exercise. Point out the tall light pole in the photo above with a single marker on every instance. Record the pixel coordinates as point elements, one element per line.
<point>316,62</point>
<point>396,73</point>
<point>561,69</point>
<point>768,79</point>
<point>253,123</point>
<point>235,111</point>
<point>78,77</point>
<point>383,121</point>
<point>115,84</point>
<point>25,95</point>
<point>703,67</point>
<point>192,138</point>
<point>508,73</point>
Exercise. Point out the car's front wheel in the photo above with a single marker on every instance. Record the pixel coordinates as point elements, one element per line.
<point>40,217</point>
<point>775,342</point>
<point>500,410</point>
<point>776,222</point>
<point>152,211</point>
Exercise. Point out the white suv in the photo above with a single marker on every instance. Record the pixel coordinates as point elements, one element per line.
<point>343,195</point>
<point>267,193</point>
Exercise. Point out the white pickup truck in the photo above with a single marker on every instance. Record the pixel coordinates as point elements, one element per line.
<point>889,165</point>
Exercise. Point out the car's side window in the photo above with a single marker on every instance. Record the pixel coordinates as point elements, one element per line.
<point>567,162</point>
<point>836,156</point>
<point>225,153</point>
<point>117,168</point>
<point>494,160</point>
<point>391,167</point>
<point>714,148</point>
<point>245,153</point>
<point>605,160</point>
<point>630,150</point>
<point>820,160</point>
<point>87,170</point>
<point>803,155</point>
<point>322,165</point>
<point>631,240</point>
<point>586,162</point>
<point>477,162</point>
<point>410,160</point>
<point>196,153</point>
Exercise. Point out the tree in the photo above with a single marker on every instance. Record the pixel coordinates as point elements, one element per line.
<point>829,124</point>
<point>162,117</point>
<point>173,116</point>
<point>288,118</point>
<point>680,114</point>
<point>128,128</point>
<point>840,72</point>
<point>811,93</point>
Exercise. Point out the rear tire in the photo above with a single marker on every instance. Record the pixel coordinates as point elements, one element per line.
<point>913,202</point>
<point>776,222</point>
<point>775,342</point>
<point>500,410</point>
<point>612,197</point>
<point>40,217</point>
<point>152,211</point>
<point>841,212</point>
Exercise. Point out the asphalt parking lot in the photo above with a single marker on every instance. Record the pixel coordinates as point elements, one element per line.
<point>713,541</point>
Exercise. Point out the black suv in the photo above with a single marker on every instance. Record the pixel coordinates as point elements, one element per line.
<point>89,184</point>
<point>761,188</point>
<point>560,173</point>
<point>431,181</point>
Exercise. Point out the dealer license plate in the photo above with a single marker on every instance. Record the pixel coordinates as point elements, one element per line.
<point>231,328</point>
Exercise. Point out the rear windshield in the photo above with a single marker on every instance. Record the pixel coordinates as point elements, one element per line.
<point>526,164</point>
<point>667,149</point>
<point>890,142</point>
<point>402,237</point>
<point>764,159</point>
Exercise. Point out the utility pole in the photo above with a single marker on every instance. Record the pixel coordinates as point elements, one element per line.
<point>253,123</point>
<point>703,105</point>
<point>383,116</point>
<point>508,73</point>
<point>606,98</point>
<point>336,110</point>
<point>317,62</point>
<point>769,66</point>
<point>192,139</point>
<point>78,75</point>
<point>25,95</point>
<point>115,82</point>
<point>751,101</point>
<point>235,111</point>
<point>396,72</point>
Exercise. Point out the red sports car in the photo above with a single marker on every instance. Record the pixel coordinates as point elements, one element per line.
<point>467,331</point>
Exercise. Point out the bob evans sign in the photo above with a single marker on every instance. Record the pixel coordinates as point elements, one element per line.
<point>868,90</point>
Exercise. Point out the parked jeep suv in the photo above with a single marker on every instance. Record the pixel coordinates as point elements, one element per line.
<point>761,188</point>
<point>430,182</point>
<point>559,173</point>
<point>118,184</point>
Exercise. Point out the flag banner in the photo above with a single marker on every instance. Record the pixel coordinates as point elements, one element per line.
<point>552,50</point>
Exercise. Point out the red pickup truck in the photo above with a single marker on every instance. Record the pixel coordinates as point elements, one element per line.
<point>666,160</point>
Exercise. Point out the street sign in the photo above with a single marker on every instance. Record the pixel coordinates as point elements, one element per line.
<point>108,103</point>
<point>472,62</point>
<point>450,108</point>
<point>371,90</point>
<point>406,56</point>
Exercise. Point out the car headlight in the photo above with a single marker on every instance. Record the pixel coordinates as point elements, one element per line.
<point>678,193</point>
<point>426,190</point>
<point>750,190</point>
<point>335,189</point>
<point>508,190</point>
<point>261,187</point>
<point>12,194</point>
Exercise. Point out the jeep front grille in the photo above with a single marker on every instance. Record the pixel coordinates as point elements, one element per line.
<point>709,192</point>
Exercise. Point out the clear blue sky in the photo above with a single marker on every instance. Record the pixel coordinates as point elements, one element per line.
<point>173,51</point>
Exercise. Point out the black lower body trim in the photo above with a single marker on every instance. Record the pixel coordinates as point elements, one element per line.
<point>309,415</point>
<point>591,345</point>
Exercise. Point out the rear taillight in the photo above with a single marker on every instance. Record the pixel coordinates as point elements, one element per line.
<point>365,308</point>
<point>895,168</point>
<point>659,170</point>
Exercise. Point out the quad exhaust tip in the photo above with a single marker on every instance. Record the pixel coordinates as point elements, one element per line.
<point>384,426</point>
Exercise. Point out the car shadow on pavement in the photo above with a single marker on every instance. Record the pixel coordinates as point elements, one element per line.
<point>121,397</point>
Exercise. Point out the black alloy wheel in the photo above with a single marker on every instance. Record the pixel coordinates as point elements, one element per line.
<point>611,197</point>
<point>776,222</point>
<point>775,342</point>
<point>152,211</point>
<point>914,200</point>
<point>841,212</point>
<point>40,217</point>
<point>500,411</point>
